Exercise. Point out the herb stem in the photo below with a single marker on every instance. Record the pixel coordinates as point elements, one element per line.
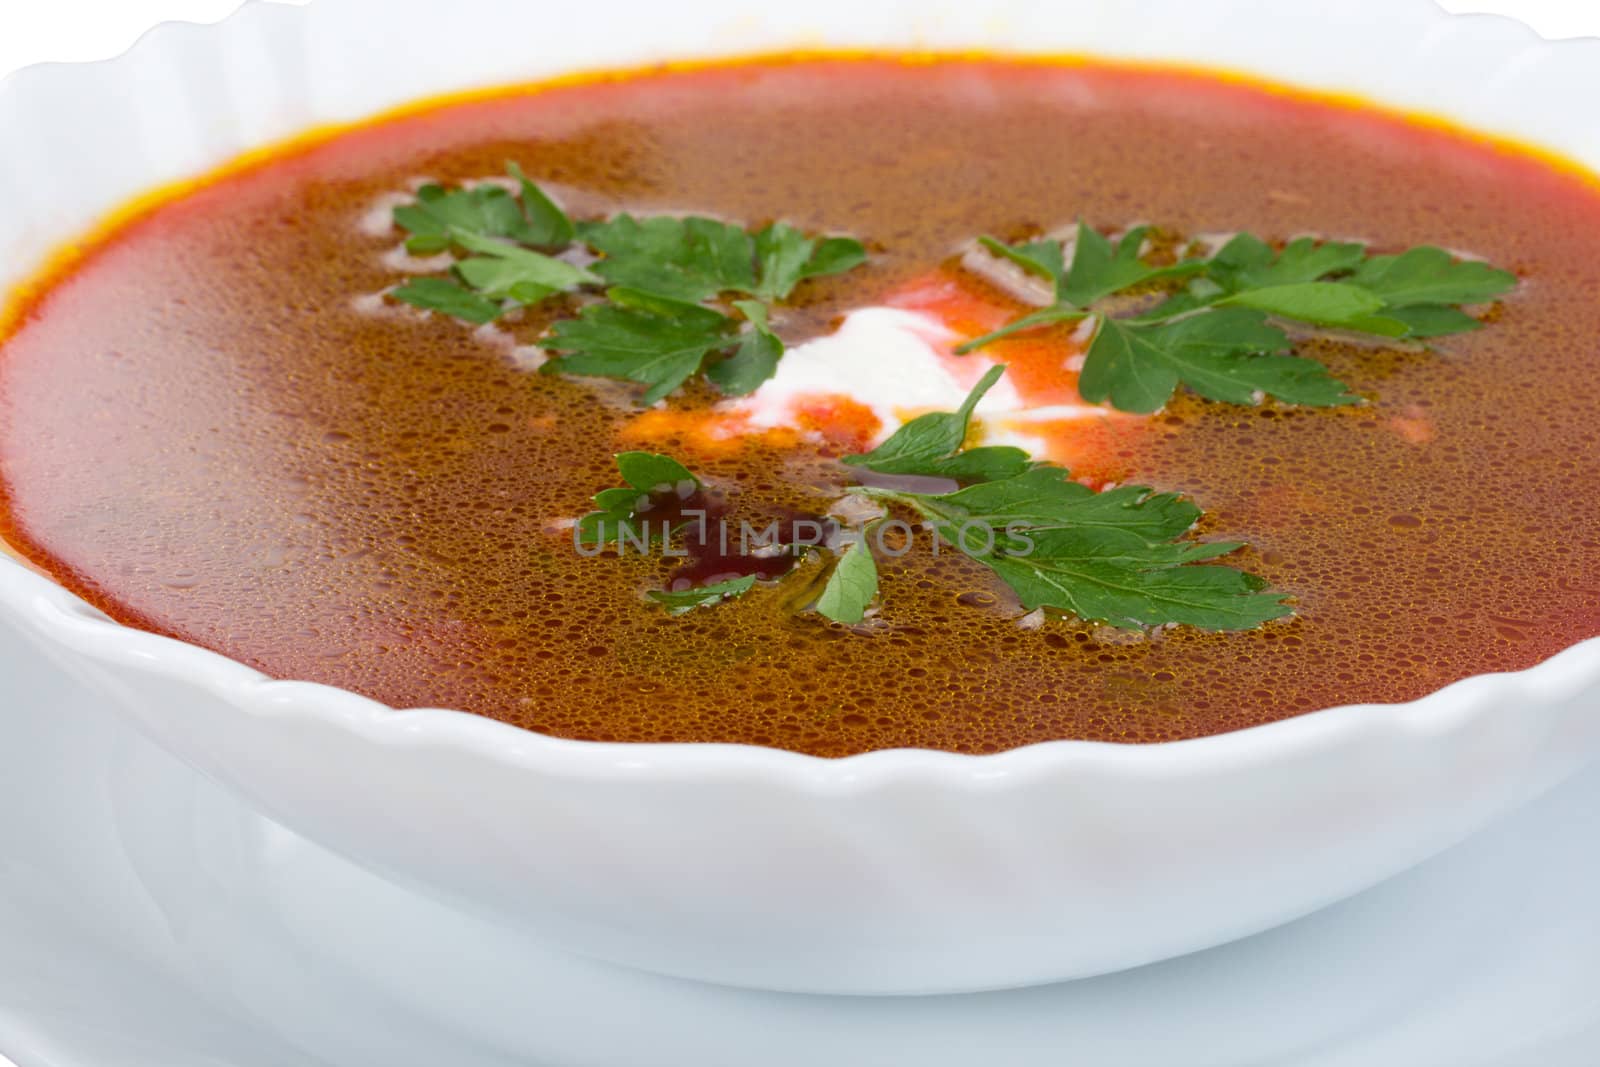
<point>1045,317</point>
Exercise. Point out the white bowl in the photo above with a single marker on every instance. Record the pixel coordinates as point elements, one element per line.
<point>892,872</point>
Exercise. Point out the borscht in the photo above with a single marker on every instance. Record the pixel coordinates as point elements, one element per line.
<point>836,404</point>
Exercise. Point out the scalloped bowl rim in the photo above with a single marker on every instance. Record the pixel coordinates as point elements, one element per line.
<point>64,617</point>
<point>86,630</point>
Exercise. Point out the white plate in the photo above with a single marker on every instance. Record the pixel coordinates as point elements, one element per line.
<point>149,919</point>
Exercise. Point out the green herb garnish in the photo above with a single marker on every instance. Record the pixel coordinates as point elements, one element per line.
<point>625,512</point>
<point>1226,354</point>
<point>547,226</point>
<point>438,217</point>
<point>625,517</point>
<point>685,600</point>
<point>935,445</point>
<point>499,270</point>
<point>852,586</point>
<point>1120,556</point>
<point>500,235</point>
<point>756,357</point>
<point>664,270</point>
<point>449,297</point>
<point>1214,335</point>
<point>699,258</point>
<point>641,336</point>
<point>675,297</point>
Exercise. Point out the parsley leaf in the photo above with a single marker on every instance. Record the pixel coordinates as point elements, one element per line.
<point>1100,268</point>
<point>653,327</point>
<point>1127,365</point>
<point>654,472</point>
<point>639,336</point>
<point>697,258</point>
<point>490,223</point>
<point>1044,258</point>
<point>547,225</point>
<point>626,513</point>
<point>1247,262</point>
<point>1120,556</point>
<point>1212,335</point>
<point>753,362</point>
<point>788,257</point>
<point>1409,296</point>
<point>1228,354</point>
<point>933,445</point>
<point>1123,556</point>
<point>1430,320</point>
<point>502,278</point>
<point>438,216</point>
<point>689,259</point>
<point>756,358</point>
<point>1428,276</point>
<point>1334,304</point>
<point>851,587</point>
<point>1116,557</point>
<point>500,270</point>
<point>519,263</point>
<point>1046,497</point>
<point>648,475</point>
<point>1115,577</point>
<point>448,297</point>
<point>679,602</point>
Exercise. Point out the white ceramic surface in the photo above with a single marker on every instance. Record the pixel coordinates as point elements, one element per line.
<point>150,919</point>
<point>892,872</point>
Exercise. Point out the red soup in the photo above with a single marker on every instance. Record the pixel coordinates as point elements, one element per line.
<point>276,417</point>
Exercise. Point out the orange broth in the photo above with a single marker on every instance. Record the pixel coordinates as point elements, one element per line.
<point>213,427</point>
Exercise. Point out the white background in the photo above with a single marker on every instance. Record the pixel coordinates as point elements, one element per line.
<point>34,31</point>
